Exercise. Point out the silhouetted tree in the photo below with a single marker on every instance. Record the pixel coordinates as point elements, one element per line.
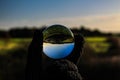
<point>21,33</point>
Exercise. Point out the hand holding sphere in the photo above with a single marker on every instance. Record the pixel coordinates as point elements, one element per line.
<point>56,43</point>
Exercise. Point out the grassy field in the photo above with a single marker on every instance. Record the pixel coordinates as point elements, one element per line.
<point>13,56</point>
<point>11,44</point>
<point>7,45</point>
<point>98,44</point>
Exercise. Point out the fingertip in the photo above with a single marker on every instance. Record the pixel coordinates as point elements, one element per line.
<point>79,39</point>
<point>37,35</point>
<point>37,41</point>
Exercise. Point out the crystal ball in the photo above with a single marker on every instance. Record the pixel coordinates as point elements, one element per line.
<point>58,41</point>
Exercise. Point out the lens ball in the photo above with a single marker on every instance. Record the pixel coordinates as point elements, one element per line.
<point>58,41</point>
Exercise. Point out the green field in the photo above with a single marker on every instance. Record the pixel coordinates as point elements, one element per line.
<point>7,45</point>
<point>13,57</point>
<point>98,44</point>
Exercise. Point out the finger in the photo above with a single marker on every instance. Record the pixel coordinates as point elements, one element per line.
<point>35,47</point>
<point>37,39</point>
<point>33,66</point>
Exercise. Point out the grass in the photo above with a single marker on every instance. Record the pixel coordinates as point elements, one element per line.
<point>98,44</point>
<point>100,47</point>
<point>95,39</point>
<point>7,45</point>
<point>13,62</point>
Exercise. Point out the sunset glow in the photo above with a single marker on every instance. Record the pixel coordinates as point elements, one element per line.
<point>103,15</point>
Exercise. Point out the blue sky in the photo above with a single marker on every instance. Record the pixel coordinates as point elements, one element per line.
<point>94,14</point>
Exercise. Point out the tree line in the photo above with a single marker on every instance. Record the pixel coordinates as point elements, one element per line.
<point>28,32</point>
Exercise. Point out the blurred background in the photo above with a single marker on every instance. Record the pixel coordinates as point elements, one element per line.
<point>97,20</point>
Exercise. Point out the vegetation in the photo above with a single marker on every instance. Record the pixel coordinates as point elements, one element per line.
<point>100,59</point>
<point>99,44</point>
<point>28,32</point>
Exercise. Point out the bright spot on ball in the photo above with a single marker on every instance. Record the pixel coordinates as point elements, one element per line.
<point>58,41</point>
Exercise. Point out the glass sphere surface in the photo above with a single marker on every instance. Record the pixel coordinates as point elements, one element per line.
<point>58,41</point>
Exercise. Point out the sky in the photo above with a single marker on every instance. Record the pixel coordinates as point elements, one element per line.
<point>103,15</point>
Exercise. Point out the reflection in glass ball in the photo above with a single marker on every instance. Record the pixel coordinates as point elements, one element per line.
<point>58,41</point>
